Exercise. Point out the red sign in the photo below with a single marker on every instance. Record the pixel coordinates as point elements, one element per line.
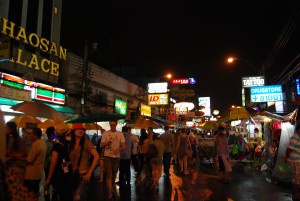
<point>181,81</point>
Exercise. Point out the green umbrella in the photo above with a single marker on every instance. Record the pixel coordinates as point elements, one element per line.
<point>95,117</point>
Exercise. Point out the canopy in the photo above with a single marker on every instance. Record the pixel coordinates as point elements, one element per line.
<point>238,113</point>
<point>144,122</point>
<point>95,117</point>
<point>209,125</point>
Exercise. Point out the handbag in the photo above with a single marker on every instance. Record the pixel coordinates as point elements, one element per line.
<point>235,149</point>
<point>75,177</point>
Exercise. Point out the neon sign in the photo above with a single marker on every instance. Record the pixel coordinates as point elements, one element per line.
<point>184,81</point>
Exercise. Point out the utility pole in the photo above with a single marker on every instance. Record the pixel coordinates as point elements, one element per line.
<point>85,79</point>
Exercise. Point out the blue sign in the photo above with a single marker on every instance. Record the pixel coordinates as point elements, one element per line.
<point>266,93</point>
<point>298,86</point>
<point>192,81</point>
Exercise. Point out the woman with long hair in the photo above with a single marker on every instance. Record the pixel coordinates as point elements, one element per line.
<point>183,146</point>
<point>142,148</point>
<point>81,150</point>
<point>157,161</point>
<point>15,147</point>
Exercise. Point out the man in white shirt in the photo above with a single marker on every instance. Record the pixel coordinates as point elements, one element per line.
<point>114,142</point>
<point>167,138</point>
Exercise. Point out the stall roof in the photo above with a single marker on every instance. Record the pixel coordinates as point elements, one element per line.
<point>289,117</point>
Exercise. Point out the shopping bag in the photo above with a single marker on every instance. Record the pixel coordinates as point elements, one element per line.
<point>235,149</point>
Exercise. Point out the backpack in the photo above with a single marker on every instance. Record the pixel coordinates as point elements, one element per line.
<point>151,151</point>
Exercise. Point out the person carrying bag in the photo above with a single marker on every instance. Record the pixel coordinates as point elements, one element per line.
<point>60,167</point>
<point>81,150</point>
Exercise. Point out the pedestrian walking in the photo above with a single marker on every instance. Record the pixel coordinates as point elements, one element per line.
<point>15,146</point>
<point>114,142</point>
<point>124,169</point>
<point>183,150</point>
<point>221,144</point>
<point>60,166</point>
<point>142,147</point>
<point>134,150</point>
<point>293,157</point>
<point>193,150</point>
<point>81,149</point>
<point>101,157</point>
<point>168,141</point>
<point>175,158</point>
<point>49,142</point>
<point>36,160</point>
<point>156,162</point>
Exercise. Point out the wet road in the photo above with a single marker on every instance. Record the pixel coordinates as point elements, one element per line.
<point>200,185</point>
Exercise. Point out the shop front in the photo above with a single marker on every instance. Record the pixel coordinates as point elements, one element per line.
<point>14,90</point>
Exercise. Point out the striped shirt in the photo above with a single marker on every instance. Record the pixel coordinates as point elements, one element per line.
<point>295,147</point>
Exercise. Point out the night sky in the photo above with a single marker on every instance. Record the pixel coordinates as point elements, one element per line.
<point>188,39</point>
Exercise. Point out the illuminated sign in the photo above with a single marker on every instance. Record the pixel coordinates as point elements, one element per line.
<point>120,107</point>
<point>38,91</point>
<point>205,102</point>
<point>253,81</point>
<point>158,99</point>
<point>159,87</point>
<point>20,34</point>
<point>184,81</point>
<point>145,110</point>
<point>266,93</point>
<point>188,105</point>
<point>298,86</point>
<point>181,110</point>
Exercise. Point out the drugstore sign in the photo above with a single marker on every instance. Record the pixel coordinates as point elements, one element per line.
<point>269,93</point>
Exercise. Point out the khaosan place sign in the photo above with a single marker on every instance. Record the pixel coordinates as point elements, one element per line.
<point>269,93</point>
<point>19,33</point>
<point>253,81</point>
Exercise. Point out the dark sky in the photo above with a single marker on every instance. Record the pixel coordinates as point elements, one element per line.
<point>188,39</point>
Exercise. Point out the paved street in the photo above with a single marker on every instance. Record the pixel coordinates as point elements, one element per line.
<point>202,184</point>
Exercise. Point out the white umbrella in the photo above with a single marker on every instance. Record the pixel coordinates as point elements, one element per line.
<point>38,109</point>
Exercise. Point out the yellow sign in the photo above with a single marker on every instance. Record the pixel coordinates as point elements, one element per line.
<point>19,34</point>
<point>145,110</point>
<point>158,99</point>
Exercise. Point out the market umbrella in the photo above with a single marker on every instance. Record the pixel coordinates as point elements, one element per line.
<point>209,125</point>
<point>96,117</point>
<point>24,119</point>
<point>48,123</point>
<point>92,126</point>
<point>38,109</point>
<point>143,122</point>
<point>235,113</point>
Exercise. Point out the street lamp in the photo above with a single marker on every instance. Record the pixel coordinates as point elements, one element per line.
<point>167,76</point>
<point>232,59</point>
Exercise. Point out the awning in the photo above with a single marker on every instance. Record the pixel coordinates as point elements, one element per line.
<point>62,108</point>
<point>58,108</point>
<point>8,101</point>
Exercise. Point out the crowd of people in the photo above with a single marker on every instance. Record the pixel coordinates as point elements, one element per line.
<point>69,150</point>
